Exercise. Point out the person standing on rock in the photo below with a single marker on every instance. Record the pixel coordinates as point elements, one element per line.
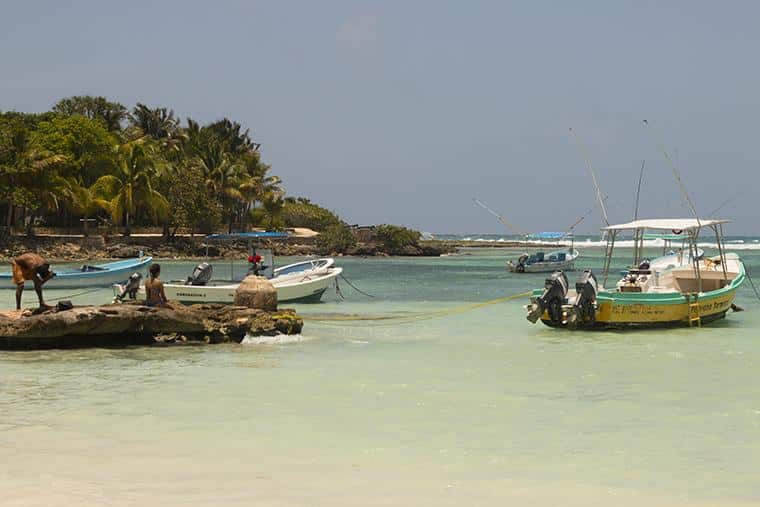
<point>30,266</point>
<point>154,288</point>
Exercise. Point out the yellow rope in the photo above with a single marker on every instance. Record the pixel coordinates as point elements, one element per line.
<point>413,317</point>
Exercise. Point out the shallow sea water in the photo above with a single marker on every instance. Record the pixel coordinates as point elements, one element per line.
<point>477,408</point>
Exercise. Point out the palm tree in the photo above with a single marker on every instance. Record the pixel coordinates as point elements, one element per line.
<point>85,201</point>
<point>131,188</point>
<point>158,123</point>
<point>32,176</point>
<point>269,215</point>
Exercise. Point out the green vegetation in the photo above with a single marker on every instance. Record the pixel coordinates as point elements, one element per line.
<point>395,238</point>
<point>337,238</point>
<point>301,212</point>
<point>93,158</point>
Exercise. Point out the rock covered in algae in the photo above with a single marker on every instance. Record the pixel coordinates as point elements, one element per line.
<point>256,292</point>
<point>131,324</point>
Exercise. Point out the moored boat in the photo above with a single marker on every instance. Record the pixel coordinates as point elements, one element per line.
<point>304,281</point>
<point>300,282</point>
<point>688,293</point>
<point>541,262</point>
<point>91,275</point>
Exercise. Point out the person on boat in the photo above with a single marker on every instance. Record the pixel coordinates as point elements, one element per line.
<point>154,288</point>
<point>30,266</point>
<point>255,263</point>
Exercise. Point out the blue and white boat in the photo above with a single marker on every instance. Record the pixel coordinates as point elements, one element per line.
<point>540,262</point>
<point>301,282</point>
<point>90,275</point>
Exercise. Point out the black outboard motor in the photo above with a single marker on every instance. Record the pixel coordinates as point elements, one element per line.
<point>555,292</point>
<point>201,274</point>
<point>586,288</point>
<point>130,288</point>
<point>521,263</point>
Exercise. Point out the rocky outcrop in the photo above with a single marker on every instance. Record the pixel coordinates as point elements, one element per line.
<point>134,324</point>
<point>256,292</point>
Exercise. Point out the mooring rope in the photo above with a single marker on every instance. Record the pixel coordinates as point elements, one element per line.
<point>749,277</point>
<point>83,293</point>
<point>411,317</point>
<point>357,289</point>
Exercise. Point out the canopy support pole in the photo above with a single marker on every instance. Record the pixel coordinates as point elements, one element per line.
<point>721,251</point>
<point>608,255</point>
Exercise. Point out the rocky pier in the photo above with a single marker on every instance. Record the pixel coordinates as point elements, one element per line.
<point>254,314</point>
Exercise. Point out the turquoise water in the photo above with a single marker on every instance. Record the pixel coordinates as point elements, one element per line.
<point>480,408</point>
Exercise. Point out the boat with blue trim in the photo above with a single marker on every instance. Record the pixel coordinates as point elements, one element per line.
<point>91,275</point>
<point>542,262</point>
<point>304,281</point>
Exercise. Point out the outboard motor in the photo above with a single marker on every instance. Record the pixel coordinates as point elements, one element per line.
<point>521,263</point>
<point>130,288</point>
<point>586,288</point>
<point>201,274</point>
<point>555,292</point>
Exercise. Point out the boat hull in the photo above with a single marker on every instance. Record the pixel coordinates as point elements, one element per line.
<point>545,266</point>
<point>542,267</point>
<point>637,310</point>
<point>289,290</point>
<point>112,272</point>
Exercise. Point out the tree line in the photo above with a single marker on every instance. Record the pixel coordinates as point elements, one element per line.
<point>90,158</point>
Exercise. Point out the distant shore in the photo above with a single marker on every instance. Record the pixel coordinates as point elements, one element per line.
<point>73,248</point>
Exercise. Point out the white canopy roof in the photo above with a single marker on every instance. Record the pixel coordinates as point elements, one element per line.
<point>666,224</point>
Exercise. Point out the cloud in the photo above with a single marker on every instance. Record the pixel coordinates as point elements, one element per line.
<point>358,31</point>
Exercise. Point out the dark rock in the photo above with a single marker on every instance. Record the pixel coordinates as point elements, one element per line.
<point>134,324</point>
<point>210,251</point>
<point>126,251</point>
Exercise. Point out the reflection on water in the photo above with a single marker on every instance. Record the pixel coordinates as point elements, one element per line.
<point>478,408</point>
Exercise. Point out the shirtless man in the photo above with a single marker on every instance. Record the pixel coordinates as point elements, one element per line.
<point>30,266</point>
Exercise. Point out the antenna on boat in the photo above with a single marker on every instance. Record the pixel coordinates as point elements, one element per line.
<point>599,198</point>
<point>638,192</point>
<point>498,217</point>
<point>676,173</point>
<point>569,230</point>
<point>724,203</point>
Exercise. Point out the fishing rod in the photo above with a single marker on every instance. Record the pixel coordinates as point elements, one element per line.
<point>638,191</point>
<point>498,217</point>
<point>723,204</point>
<point>581,219</point>
<point>676,173</point>
<point>584,153</point>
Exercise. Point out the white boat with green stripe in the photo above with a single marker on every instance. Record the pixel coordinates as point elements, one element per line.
<point>691,293</point>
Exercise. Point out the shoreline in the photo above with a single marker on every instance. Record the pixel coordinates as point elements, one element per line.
<point>73,248</point>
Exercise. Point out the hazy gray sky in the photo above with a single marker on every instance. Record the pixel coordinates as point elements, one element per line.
<point>403,111</point>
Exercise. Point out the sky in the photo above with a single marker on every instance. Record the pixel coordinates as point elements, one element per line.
<point>404,111</point>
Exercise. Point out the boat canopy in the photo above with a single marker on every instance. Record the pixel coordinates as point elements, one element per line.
<point>665,224</point>
<point>248,235</point>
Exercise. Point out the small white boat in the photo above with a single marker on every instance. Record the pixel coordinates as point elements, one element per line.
<point>91,275</point>
<point>541,262</point>
<point>300,282</point>
<point>304,281</point>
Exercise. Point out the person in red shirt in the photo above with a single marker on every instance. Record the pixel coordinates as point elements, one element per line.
<point>255,263</point>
